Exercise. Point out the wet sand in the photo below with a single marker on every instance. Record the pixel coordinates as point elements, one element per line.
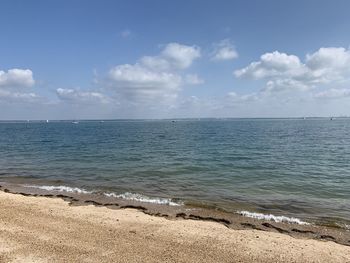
<point>40,229</point>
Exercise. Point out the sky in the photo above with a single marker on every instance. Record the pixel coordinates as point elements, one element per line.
<point>75,59</point>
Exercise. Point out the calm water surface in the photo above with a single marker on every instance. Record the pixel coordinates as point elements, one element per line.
<point>288,167</point>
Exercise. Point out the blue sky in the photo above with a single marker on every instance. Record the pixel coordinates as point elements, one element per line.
<point>166,59</point>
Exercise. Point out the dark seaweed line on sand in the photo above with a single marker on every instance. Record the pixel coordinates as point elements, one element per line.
<point>265,225</point>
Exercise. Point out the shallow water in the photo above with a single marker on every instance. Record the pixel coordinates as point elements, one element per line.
<point>291,167</point>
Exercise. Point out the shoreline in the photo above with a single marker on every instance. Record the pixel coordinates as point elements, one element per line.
<point>238,221</point>
<point>244,208</point>
<point>41,229</point>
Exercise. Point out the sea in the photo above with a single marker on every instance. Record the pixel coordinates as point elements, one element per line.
<point>297,169</point>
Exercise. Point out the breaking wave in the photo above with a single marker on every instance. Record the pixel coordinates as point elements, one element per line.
<point>60,188</point>
<point>126,196</point>
<point>274,218</point>
<point>143,198</point>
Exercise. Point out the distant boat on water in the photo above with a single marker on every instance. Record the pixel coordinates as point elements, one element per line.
<point>75,122</point>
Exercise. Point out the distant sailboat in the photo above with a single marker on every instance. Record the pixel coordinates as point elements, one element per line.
<point>47,121</point>
<point>75,122</point>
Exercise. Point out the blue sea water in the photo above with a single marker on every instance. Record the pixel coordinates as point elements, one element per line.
<point>291,167</point>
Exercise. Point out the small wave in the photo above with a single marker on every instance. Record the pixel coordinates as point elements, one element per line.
<point>143,198</point>
<point>126,196</point>
<point>271,217</point>
<point>60,188</point>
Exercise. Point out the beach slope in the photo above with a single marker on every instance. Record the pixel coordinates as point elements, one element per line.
<point>39,229</point>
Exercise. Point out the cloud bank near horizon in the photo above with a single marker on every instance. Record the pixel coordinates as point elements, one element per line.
<point>156,85</point>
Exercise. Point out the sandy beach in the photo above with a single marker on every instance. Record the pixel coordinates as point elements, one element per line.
<point>39,229</point>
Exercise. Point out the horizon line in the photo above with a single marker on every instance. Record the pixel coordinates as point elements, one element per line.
<point>175,118</point>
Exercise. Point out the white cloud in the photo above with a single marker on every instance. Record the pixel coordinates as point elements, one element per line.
<point>329,65</point>
<point>155,77</point>
<point>284,72</point>
<point>79,96</point>
<point>138,82</point>
<point>8,96</point>
<point>12,84</point>
<point>329,58</point>
<point>173,57</point>
<point>273,64</point>
<point>224,50</point>
<point>279,85</point>
<point>181,56</point>
<point>155,63</point>
<point>16,78</point>
<point>234,97</point>
<point>333,94</point>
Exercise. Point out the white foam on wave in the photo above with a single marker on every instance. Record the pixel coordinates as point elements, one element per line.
<point>143,198</point>
<point>126,196</point>
<point>274,218</point>
<point>60,188</point>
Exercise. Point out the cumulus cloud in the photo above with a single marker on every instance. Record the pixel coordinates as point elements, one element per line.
<point>79,96</point>
<point>273,64</point>
<point>224,50</point>
<point>14,85</point>
<point>288,84</point>
<point>331,57</point>
<point>155,77</point>
<point>284,72</point>
<point>155,63</point>
<point>180,56</point>
<point>16,78</point>
<point>8,96</point>
<point>136,81</point>
<point>174,56</point>
<point>329,65</point>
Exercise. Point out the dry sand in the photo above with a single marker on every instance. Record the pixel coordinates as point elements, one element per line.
<point>38,229</point>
